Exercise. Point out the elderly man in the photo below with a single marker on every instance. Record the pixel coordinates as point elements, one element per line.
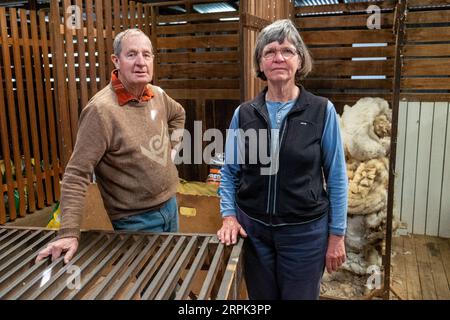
<point>124,138</point>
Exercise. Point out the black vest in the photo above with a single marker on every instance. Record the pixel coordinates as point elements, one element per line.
<point>295,193</point>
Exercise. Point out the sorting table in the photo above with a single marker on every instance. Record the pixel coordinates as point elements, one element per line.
<point>120,265</point>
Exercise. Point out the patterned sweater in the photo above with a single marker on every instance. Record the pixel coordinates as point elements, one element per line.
<point>127,143</point>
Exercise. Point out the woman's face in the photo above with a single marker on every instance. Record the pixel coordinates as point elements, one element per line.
<point>280,62</point>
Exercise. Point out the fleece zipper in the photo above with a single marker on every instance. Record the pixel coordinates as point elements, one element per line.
<point>269,191</point>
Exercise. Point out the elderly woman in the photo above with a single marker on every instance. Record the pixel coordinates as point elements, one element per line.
<point>293,225</point>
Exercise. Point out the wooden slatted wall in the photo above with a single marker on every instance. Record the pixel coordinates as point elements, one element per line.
<point>82,53</point>
<point>198,65</point>
<point>334,35</point>
<point>29,149</point>
<point>39,109</point>
<point>196,61</point>
<point>426,54</point>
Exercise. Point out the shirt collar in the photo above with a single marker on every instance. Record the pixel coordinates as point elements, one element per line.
<point>123,96</point>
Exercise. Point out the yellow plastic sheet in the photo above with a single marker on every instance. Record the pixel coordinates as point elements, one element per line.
<point>197,188</point>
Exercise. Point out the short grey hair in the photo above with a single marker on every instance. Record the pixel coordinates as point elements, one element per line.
<point>117,45</point>
<point>279,31</point>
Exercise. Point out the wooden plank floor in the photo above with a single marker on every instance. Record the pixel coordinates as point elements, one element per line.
<point>421,268</point>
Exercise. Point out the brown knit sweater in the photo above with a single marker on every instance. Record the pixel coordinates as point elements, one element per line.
<point>129,149</point>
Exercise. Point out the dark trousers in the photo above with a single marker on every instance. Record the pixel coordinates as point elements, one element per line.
<point>284,262</point>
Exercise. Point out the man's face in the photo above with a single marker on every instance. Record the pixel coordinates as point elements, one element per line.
<point>135,62</point>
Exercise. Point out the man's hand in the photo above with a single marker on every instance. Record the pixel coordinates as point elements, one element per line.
<point>230,230</point>
<point>67,245</point>
<point>335,252</point>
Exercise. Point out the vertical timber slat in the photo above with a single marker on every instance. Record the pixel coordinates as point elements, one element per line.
<point>22,114</point>
<point>108,37</point>
<point>100,42</point>
<point>4,126</point>
<point>61,86</point>
<point>84,95</point>
<point>92,48</point>
<point>50,107</point>
<point>30,106</point>
<point>71,85</point>
<point>41,107</point>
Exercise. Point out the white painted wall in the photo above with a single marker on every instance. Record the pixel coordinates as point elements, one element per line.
<point>422,182</point>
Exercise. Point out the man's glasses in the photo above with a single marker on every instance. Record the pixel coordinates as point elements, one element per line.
<point>287,53</point>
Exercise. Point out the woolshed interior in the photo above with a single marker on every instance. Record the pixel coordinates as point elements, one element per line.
<point>385,65</point>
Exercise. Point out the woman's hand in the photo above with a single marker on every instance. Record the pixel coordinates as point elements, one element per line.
<point>335,253</point>
<point>229,231</point>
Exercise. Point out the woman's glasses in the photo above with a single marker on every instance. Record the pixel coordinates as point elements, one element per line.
<point>287,53</point>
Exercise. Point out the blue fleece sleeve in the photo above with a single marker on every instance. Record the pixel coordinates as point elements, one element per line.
<point>230,171</point>
<point>335,171</point>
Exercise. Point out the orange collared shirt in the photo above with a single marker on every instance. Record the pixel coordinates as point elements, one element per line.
<point>123,96</point>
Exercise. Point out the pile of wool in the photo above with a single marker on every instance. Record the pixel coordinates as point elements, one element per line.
<point>368,183</point>
<point>365,129</point>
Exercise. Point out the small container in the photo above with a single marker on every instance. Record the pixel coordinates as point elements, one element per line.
<point>215,166</point>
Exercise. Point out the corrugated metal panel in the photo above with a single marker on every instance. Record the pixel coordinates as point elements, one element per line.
<point>213,7</point>
<point>325,2</point>
<point>422,183</point>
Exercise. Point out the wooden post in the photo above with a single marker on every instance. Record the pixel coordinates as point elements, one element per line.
<point>154,38</point>
<point>60,80</point>
<point>399,40</point>
<point>31,111</point>
<point>4,130</point>
<point>291,10</point>
<point>52,126</point>
<point>242,52</point>
<point>21,107</point>
<point>71,75</point>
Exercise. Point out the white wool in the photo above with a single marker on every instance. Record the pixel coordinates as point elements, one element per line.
<point>366,129</point>
<point>355,263</point>
<point>373,220</point>
<point>367,185</point>
<point>355,238</point>
<point>358,132</point>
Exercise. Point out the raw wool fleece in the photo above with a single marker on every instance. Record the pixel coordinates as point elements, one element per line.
<point>368,183</point>
<point>365,129</point>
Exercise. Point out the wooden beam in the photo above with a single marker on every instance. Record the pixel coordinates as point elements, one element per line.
<point>347,37</point>
<point>415,3</point>
<point>208,94</point>
<point>253,22</point>
<point>399,41</point>
<point>344,7</point>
